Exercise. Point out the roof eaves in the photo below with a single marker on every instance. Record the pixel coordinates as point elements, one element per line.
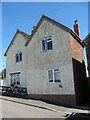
<point>24,34</point>
<point>57,23</point>
<point>35,30</point>
<point>76,36</point>
<point>87,37</point>
<point>5,54</point>
<point>39,23</point>
<point>17,32</point>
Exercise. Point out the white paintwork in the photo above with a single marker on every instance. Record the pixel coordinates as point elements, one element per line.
<point>35,62</point>
<point>11,65</point>
<point>3,82</point>
<point>39,62</point>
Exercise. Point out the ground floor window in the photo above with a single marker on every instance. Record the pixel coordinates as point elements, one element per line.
<point>54,75</point>
<point>15,78</point>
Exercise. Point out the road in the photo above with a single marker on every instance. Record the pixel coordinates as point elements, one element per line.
<point>16,110</point>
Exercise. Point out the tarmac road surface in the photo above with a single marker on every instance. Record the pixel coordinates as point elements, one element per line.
<point>16,110</point>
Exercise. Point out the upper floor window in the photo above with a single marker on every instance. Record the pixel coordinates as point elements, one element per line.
<point>47,44</point>
<point>18,57</point>
<point>54,75</point>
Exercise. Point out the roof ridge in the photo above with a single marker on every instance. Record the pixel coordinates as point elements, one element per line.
<point>57,23</point>
<point>24,33</point>
<point>17,32</point>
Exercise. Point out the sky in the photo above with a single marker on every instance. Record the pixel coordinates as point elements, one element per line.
<point>25,15</point>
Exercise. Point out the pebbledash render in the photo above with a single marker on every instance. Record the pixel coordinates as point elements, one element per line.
<point>49,63</point>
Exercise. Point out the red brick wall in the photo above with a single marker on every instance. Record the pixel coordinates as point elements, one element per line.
<point>77,50</point>
<point>64,99</point>
<point>79,71</point>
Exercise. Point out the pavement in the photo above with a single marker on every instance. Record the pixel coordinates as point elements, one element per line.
<point>47,106</point>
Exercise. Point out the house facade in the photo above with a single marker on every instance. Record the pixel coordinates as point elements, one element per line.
<point>16,60</point>
<point>53,67</point>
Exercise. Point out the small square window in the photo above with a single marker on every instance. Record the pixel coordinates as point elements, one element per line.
<point>54,75</point>
<point>18,57</point>
<point>50,75</point>
<point>47,44</point>
<point>43,45</point>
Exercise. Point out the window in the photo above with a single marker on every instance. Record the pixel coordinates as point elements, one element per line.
<point>47,44</point>
<point>18,57</point>
<point>43,45</point>
<point>54,75</point>
<point>15,79</point>
<point>50,75</point>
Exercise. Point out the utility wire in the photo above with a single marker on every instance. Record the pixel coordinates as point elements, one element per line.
<point>50,11</point>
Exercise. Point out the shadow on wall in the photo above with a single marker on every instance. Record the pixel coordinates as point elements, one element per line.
<point>81,82</point>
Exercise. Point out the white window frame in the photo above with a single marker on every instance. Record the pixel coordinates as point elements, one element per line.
<point>46,39</point>
<point>53,75</point>
<point>14,78</point>
<point>42,45</point>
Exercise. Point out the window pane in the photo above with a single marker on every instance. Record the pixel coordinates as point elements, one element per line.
<point>50,75</point>
<point>18,79</point>
<point>14,78</point>
<point>20,56</point>
<point>56,70</point>
<point>43,45</point>
<point>49,45</point>
<point>57,75</point>
<point>17,58</point>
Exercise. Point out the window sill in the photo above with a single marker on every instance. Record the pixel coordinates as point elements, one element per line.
<point>46,50</point>
<point>18,62</point>
<point>54,82</point>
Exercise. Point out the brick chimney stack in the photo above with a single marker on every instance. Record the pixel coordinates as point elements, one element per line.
<point>77,28</point>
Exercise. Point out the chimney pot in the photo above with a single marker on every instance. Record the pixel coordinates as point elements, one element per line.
<point>76,21</point>
<point>77,28</point>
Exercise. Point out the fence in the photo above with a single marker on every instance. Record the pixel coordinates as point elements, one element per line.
<point>15,91</point>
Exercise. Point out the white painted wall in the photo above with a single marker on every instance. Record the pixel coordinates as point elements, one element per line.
<point>39,62</point>
<point>11,65</point>
<point>3,82</point>
<point>35,63</point>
